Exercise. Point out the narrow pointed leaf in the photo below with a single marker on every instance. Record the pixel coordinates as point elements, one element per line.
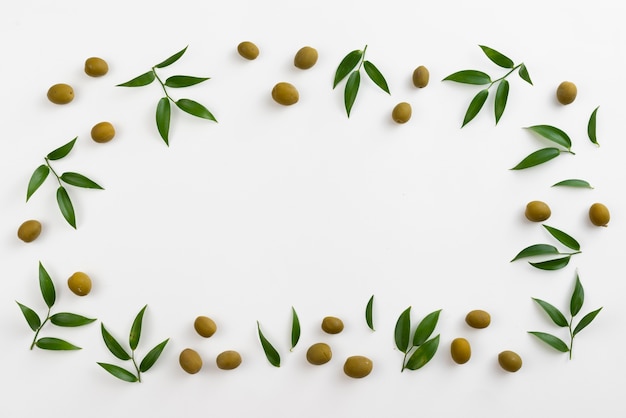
<point>574,183</point>
<point>36,180</point>
<point>402,332</point>
<point>195,109</point>
<point>135,329</point>
<point>556,315</point>
<point>586,320</point>
<point>270,352</point>
<point>425,328</point>
<point>538,157</point>
<point>163,116</point>
<point>152,356</point>
<point>423,354</point>
<point>563,238</point>
<point>369,313</point>
<point>535,250</point>
<point>119,372</point>
<point>591,126</point>
<point>502,95</point>
<point>178,81</point>
<point>376,76</point>
<point>34,322</point>
<point>555,264</point>
<point>56,344</point>
<point>114,347</point>
<point>578,298</point>
<point>171,60</point>
<point>66,319</point>
<point>553,134</point>
<point>62,151</point>
<point>351,90</point>
<point>346,65</point>
<point>66,207</point>
<point>497,57</point>
<point>295,328</point>
<point>78,180</point>
<point>139,81</point>
<point>523,73</point>
<point>551,340</point>
<point>469,77</point>
<point>475,105</point>
<point>46,286</point>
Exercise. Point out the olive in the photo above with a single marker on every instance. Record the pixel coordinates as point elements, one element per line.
<point>102,132</point>
<point>599,214</point>
<point>460,350</point>
<point>566,92</point>
<point>319,353</point>
<point>537,211</point>
<point>29,230</point>
<point>357,366</point>
<point>401,113</point>
<point>305,58</point>
<point>79,283</point>
<point>510,361</point>
<point>421,77</point>
<point>205,326</point>
<point>96,67</point>
<point>61,93</point>
<point>190,361</point>
<point>248,50</point>
<point>228,360</point>
<point>478,319</point>
<point>332,325</point>
<point>285,94</point>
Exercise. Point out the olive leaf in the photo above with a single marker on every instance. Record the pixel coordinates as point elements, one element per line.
<point>586,320</point>
<point>563,238</point>
<point>538,157</point>
<point>591,127</point>
<point>295,328</point>
<point>49,343</point>
<point>152,356</point>
<point>347,64</point>
<point>469,77</point>
<point>140,81</point>
<point>352,88</point>
<point>555,264</point>
<point>574,183</point>
<point>194,108</point>
<point>535,250</point>
<point>369,317</point>
<point>475,105</point>
<point>33,320</point>
<point>502,94</point>
<point>119,372</point>
<point>553,134</point>
<point>421,349</point>
<point>78,180</point>
<point>551,340</point>
<point>578,297</point>
<point>163,117</point>
<point>179,81</point>
<point>557,317</point>
<point>135,329</point>
<point>113,345</point>
<point>66,206</point>
<point>46,286</point>
<point>523,73</point>
<point>36,180</point>
<point>403,330</point>
<point>62,151</point>
<point>376,76</point>
<point>171,60</point>
<point>423,354</point>
<point>425,328</point>
<point>66,319</point>
<point>270,352</point>
<point>497,57</point>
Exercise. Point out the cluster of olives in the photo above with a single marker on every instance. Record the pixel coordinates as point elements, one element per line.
<point>538,211</point>
<point>402,112</point>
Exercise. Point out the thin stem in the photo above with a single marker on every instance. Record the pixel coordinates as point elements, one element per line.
<point>53,172</point>
<point>162,84</point>
<point>504,76</point>
<point>132,357</point>
<point>39,329</point>
<point>404,359</point>
<point>571,337</point>
<point>362,58</point>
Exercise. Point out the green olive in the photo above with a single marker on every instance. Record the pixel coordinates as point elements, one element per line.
<point>79,283</point>
<point>96,67</point>
<point>537,211</point>
<point>510,361</point>
<point>102,132</point>
<point>332,325</point>
<point>305,58</point>
<point>566,92</point>
<point>61,93</point>
<point>599,214</point>
<point>401,112</point>
<point>478,319</point>
<point>285,94</point>
<point>205,326</point>
<point>357,366</point>
<point>460,350</point>
<point>190,361</point>
<point>421,77</point>
<point>228,360</point>
<point>319,353</point>
<point>248,50</point>
<point>29,230</point>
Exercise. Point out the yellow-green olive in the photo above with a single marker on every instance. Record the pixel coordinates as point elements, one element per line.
<point>190,361</point>
<point>599,214</point>
<point>537,211</point>
<point>248,50</point>
<point>285,94</point>
<point>96,67</point>
<point>29,230</point>
<point>401,112</point>
<point>332,325</point>
<point>566,92</point>
<point>357,366</point>
<point>510,361</point>
<point>204,326</point>
<point>228,360</point>
<point>61,93</point>
<point>102,132</point>
<point>478,319</point>
<point>421,77</point>
<point>305,58</point>
<point>79,283</point>
<point>319,353</point>
<point>460,350</point>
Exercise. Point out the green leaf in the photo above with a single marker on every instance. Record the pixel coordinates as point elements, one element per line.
<point>351,90</point>
<point>114,347</point>
<point>163,116</point>
<point>347,65</point>
<point>39,176</point>
<point>62,151</point>
<point>578,298</point>
<point>376,76</point>
<point>425,328</point>
<point>195,109</point>
<point>171,60</point>
<point>369,310</point>
<point>139,81</point>
<point>574,183</point>
<point>469,77</point>
<point>65,204</point>
<point>563,238</point>
<point>555,264</point>
<point>46,286</point>
<point>135,329</point>
<point>538,157</point>
<point>553,134</point>
<point>557,317</point>
<point>402,331</point>
<point>586,320</point>
<point>475,105</point>
<point>295,328</point>
<point>423,354</point>
<point>497,58</point>
<point>56,344</point>
<point>270,352</point>
<point>79,180</point>
<point>502,95</point>
<point>34,322</point>
<point>152,356</point>
<point>536,249</point>
<point>178,81</point>
<point>523,73</point>
<point>66,319</point>
<point>591,127</point>
<point>551,340</point>
<point>119,372</point>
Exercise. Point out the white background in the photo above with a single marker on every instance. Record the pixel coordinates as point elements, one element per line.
<point>275,207</point>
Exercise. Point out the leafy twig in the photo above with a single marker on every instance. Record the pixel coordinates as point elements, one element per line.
<point>550,250</point>
<point>419,350</point>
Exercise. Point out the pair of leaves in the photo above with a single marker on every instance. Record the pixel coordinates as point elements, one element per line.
<point>164,113</point>
<point>348,66</point>
<point>550,250</point>
<point>419,348</point>
<point>41,173</point>
<point>270,351</point>
<point>543,155</point>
